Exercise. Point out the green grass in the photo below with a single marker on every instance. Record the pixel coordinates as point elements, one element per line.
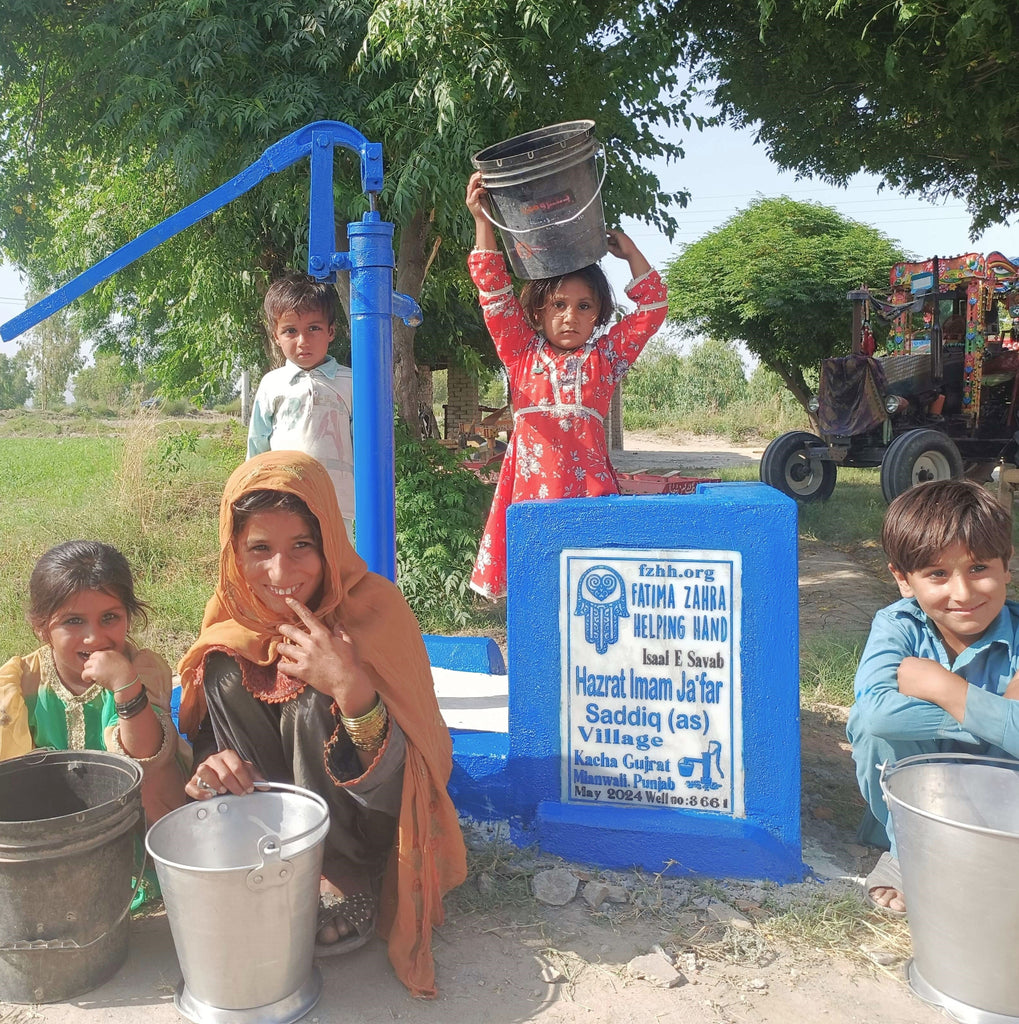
<point>827,667</point>
<point>115,489</point>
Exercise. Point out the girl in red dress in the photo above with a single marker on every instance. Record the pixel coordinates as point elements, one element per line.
<point>562,371</point>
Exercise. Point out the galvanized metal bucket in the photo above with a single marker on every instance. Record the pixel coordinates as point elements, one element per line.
<point>956,821</point>
<point>240,880</point>
<point>69,821</point>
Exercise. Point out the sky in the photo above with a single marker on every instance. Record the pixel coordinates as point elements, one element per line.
<point>724,171</point>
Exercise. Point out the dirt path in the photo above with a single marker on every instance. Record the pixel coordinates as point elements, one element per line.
<point>503,957</point>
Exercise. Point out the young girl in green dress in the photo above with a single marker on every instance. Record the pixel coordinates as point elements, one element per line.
<point>88,687</point>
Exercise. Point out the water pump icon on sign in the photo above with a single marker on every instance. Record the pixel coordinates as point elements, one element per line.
<point>687,765</point>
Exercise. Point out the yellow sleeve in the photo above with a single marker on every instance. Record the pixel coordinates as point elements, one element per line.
<point>15,736</point>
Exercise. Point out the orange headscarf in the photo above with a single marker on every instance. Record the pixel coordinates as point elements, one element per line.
<point>428,858</point>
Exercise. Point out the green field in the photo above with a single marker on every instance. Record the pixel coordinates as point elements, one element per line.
<point>142,489</point>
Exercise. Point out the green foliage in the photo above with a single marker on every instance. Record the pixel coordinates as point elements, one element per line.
<point>666,384</point>
<point>174,447</point>
<point>52,352</point>
<point>440,513</point>
<point>775,276</point>
<point>108,381</point>
<point>116,115</point>
<point>15,389</point>
<point>919,92</point>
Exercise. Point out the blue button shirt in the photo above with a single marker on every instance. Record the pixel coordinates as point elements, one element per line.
<point>903,630</point>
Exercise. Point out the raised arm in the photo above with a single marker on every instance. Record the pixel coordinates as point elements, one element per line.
<point>477,203</point>
<point>622,247</point>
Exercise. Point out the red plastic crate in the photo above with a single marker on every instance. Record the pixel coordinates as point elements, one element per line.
<point>662,483</point>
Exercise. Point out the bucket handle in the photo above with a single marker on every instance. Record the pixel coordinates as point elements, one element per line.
<point>69,945</point>
<point>556,223</point>
<point>265,786</point>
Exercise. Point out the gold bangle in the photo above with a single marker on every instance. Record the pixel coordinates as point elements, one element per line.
<point>368,718</point>
<point>368,731</point>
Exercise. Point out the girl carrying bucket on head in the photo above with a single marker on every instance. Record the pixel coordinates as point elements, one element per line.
<point>562,372</point>
<point>88,687</point>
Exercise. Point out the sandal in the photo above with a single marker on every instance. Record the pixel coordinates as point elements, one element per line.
<point>885,874</point>
<point>357,910</point>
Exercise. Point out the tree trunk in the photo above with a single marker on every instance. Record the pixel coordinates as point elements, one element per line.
<point>792,377</point>
<point>410,276</point>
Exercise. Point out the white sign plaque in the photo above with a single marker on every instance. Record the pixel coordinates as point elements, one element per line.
<point>651,710</point>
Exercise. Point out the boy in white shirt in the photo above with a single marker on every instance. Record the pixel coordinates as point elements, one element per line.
<point>306,404</point>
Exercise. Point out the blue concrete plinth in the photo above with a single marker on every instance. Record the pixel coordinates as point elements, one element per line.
<point>479,784</point>
<point>465,653</point>
<point>654,681</point>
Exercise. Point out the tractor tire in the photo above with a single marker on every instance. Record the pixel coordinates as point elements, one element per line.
<point>786,467</point>
<point>917,457</point>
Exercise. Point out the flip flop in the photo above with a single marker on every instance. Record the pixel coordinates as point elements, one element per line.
<point>358,910</point>
<point>885,873</point>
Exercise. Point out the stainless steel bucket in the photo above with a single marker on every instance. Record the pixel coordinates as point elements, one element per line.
<point>240,880</point>
<point>956,821</point>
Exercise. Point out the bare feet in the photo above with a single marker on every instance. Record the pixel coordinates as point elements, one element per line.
<point>888,898</point>
<point>884,886</point>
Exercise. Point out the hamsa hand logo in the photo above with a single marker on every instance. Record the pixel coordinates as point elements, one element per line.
<point>601,599</point>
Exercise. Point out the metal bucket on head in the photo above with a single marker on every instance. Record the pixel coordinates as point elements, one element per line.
<point>68,824</point>
<point>956,821</point>
<point>240,880</point>
<point>545,193</point>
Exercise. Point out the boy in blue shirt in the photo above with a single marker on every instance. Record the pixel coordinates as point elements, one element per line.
<point>306,404</point>
<point>936,672</point>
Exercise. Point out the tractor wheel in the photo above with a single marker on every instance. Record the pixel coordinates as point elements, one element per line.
<point>786,467</point>
<point>916,457</point>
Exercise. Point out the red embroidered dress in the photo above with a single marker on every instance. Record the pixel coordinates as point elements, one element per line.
<point>559,401</point>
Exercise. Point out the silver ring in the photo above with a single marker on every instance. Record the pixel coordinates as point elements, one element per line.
<point>202,784</point>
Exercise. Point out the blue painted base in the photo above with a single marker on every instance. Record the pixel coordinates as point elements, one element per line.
<point>465,653</point>
<point>675,843</point>
<point>479,784</point>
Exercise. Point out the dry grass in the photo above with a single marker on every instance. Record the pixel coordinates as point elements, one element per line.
<point>847,926</point>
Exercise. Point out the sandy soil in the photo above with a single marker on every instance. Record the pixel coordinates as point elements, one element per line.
<point>648,452</point>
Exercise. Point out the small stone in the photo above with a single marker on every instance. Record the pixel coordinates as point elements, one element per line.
<point>486,886</point>
<point>729,916</point>
<point>617,894</point>
<point>595,894</point>
<point>657,969</point>
<point>757,985</point>
<point>881,957</point>
<point>551,975</point>
<point>555,887</point>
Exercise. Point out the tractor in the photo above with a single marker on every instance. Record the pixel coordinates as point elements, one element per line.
<point>939,403</point>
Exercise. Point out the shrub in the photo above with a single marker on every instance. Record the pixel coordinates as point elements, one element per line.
<point>440,513</point>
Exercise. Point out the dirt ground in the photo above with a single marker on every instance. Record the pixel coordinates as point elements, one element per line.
<point>729,950</point>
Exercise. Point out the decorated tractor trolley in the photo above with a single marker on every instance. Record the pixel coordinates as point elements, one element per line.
<point>939,403</point>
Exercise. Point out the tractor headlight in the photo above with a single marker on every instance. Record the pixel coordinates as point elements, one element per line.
<point>813,403</point>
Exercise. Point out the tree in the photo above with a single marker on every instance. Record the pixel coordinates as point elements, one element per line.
<point>136,107</point>
<point>52,355</point>
<point>917,91</point>
<point>107,381</point>
<point>15,389</point>
<point>776,276</point>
